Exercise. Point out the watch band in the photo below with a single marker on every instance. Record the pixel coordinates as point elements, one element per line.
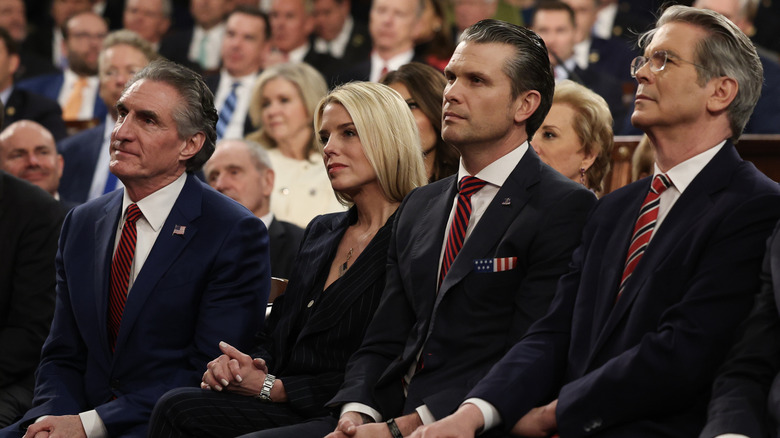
<point>394,430</point>
<point>268,383</point>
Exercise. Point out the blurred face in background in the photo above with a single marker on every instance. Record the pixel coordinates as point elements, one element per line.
<point>329,17</point>
<point>12,18</point>
<point>291,25</point>
<point>117,65</point>
<point>27,151</point>
<point>283,110</point>
<point>244,46</point>
<point>585,13</point>
<point>146,18</point>
<point>558,32</point>
<point>86,33</point>
<point>209,13</point>
<point>558,144</point>
<point>392,24</point>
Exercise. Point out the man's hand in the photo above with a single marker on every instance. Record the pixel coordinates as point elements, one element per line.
<point>347,426</point>
<point>235,371</point>
<point>538,422</point>
<point>65,426</point>
<point>462,424</point>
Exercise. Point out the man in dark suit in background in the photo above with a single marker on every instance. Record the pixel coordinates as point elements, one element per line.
<point>448,313</point>
<point>242,170</point>
<point>199,45</point>
<point>150,278</point>
<point>637,330</point>
<point>337,33</point>
<point>150,19</point>
<point>14,20</point>
<point>29,227</point>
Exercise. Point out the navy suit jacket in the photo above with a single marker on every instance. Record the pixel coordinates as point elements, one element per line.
<point>194,290</point>
<point>80,152</point>
<point>476,317</point>
<point>285,239</point>
<point>25,105</point>
<point>766,115</point>
<point>50,85</point>
<point>310,357</point>
<point>612,57</point>
<point>643,366</point>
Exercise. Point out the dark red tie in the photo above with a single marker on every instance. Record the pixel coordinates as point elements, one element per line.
<point>460,222</point>
<point>120,272</point>
<point>644,227</point>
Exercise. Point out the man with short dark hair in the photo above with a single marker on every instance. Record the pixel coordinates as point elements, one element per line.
<point>150,278</point>
<point>201,44</point>
<point>474,258</point>
<point>667,269</point>
<point>337,33</point>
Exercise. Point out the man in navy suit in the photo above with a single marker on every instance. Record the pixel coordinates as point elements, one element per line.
<point>446,314</point>
<point>637,330</point>
<point>190,270</point>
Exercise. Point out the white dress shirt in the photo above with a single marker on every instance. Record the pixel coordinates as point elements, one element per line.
<point>495,175</point>
<point>235,128</point>
<point>582,53</point>
<point>213,46</point>
<point>605,18</point>
<point>337,46</point>
<point>681,176</point>
<point>88,94</point>
<point>392,64</point>
<point>155,209</point>
<point>297,54</point>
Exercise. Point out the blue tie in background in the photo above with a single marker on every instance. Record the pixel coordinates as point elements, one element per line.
<point>227,111</point>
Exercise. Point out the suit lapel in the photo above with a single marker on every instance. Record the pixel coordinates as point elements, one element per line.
<point>165,251</point>
<point>105,235</point>
<point>429,239</point>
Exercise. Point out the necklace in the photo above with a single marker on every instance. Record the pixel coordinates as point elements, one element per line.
<point>344,266</point>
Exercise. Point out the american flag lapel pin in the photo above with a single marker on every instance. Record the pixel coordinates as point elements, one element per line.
<point>507,201</point>
<point>495,265</point>
<point>178,230</point>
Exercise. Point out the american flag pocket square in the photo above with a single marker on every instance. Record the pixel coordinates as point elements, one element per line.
<point>495,265</point>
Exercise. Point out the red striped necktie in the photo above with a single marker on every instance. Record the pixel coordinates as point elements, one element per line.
<point>644,227</point>
<point>460,222</point>
<point>120,272</point>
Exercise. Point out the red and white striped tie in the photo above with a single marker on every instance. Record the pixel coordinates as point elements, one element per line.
<point>644,227</point>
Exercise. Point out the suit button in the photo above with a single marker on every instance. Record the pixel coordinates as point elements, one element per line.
<point>114,385</point>
<point>592,425</point>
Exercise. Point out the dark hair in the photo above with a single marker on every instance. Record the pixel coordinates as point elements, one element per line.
<point>11,45</point>
<point>426,86</point>
<point>195,112</point>
<point>553,5</point>
<point>254,12</point>
<point>528,70</point>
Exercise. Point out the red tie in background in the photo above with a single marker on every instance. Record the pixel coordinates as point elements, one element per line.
<point>644,227</point>
<point>120,272</point>
<point>460,222</point>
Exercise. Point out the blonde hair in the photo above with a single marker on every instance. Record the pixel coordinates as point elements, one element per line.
<point>311,87</point>
<point>388,133</point>
<point>593,125</point>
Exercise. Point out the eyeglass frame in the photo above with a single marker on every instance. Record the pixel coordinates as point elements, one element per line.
<point>667,55</point>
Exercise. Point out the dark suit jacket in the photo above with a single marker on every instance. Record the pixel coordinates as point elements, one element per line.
<point>361,70</point>
<point>475,317</point>
<point>766,115</point>
<point>308,347</point>
<point>30,222</point>
<point>608,87</point>
<point>25,105</point>
<point>612,57</point>
<point>195,289</point>
<point>285,239</point>
<point>50,85</point>
<point>212,81</point>
<point>643,366</point>
<point>358,47</point>
<point>176,47</point>
<point>80,152</point>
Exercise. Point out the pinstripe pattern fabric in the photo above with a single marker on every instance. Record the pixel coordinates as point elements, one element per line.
<point>644,227</point>
<point>460,222</point>
<point>306,346</point>
<point>120,272</point>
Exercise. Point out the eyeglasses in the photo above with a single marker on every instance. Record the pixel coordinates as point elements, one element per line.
<point>657,62</point>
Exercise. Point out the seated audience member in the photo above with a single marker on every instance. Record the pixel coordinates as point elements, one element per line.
<point>150,19</point>
<point>576,136</point>
<point>47,34</point>
<point>283,102</point>
<point>29,230</point>
<point>13,19</point>
<point>21,104</point>
<point>422,87</point>
<point>244,49</point>
<point>27,151</point>
<point>76,88</point>
<point>766,116</point>
<point>637,331</point>
<point>86,154</point>
<point>337,33</point>
<point>473,258</point>
<point>433,37</point>
<point>554,21</point>
<point>201,44</point>
<point>466,13</point>
<point>242,170</point>
<point>372,151</point>
<point>625,19</point>
<point>149,278</point>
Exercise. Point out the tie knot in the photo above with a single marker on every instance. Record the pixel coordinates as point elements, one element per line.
<point>133,213</point>
<point>234,86</point>
<point>661,182</point>
<point>470,185</point>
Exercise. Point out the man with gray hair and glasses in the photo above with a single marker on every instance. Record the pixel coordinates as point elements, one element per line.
<point>667,269</point>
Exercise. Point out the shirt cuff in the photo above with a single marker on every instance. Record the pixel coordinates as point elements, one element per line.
<point>360,408</point>
<point>425,415</point>
<point>93,425</point>
<point>489,413</point>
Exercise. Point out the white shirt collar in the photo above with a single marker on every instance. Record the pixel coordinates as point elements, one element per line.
<point>297,54</point>
<point>337,46</point>
<point>498,171</point>
<point>267,219</point>
<point>683,173</point>
<point>394,63</point>
<point>157,206</point>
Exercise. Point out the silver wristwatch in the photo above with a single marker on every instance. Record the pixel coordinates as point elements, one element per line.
<point>265,393</point>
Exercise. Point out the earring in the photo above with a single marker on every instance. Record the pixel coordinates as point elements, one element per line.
<point>582,175</point>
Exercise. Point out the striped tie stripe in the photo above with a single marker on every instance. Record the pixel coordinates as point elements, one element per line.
<point>644,227</point>
<point>120,272</point>
<point>227,111</point>
<point>467,187</point>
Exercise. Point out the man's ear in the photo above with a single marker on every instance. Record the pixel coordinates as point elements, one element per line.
<point>724,92</point>
<point>192,146</point>
<point>526,105</point>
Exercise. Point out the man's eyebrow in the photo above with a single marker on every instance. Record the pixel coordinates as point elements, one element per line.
<point>148,114</point>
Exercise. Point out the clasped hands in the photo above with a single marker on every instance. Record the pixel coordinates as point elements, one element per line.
<point>237,372</point>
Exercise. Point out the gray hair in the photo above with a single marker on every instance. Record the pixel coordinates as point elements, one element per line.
<point>725,51</point>
<point>257,152</point>
<point>195,112</point>
<point>528,70</point>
